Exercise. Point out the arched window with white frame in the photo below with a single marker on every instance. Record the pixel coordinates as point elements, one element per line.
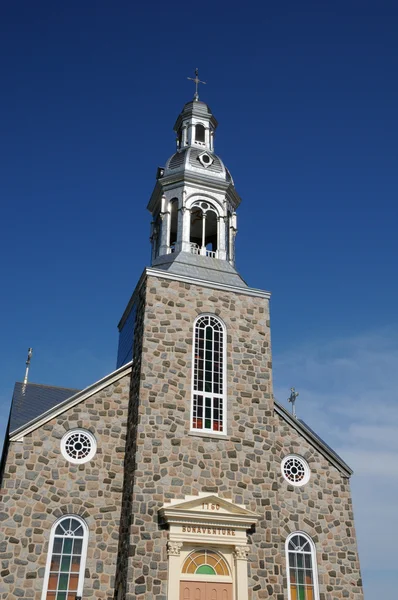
<point>64,577</point>
<point>302,567</point>
<point>209,375</point>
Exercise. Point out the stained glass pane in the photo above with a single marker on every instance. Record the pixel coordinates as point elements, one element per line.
<point>205,570</point>
<point>63,582</point>
<point>300,561</point>
<point>50,596</point>
<point>308,577</point>
<point>301,592</point>
<point>191,568</point>
<point>58,545</point>
<point>73,581</point>
<point>65,564</point>
<point>55,562</point>
<point>77,546</point>
<point>75,566</point>
<point>53,581</point>
<point>67,549</point>
<point>293,592</point>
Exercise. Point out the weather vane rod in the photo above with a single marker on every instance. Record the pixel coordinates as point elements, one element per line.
<point>197,81</point>
<point>292,399</point>
<point>30,352</point>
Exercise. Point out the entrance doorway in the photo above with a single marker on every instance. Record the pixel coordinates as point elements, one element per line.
<point>205,576</point>
<point>196,590</point>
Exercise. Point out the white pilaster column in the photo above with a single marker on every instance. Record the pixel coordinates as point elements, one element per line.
<point>207,137</point>
<point>185,230</point>
<point>203,248</point>
<point>232,235</point>
<point>173,580</point>
<point>221,245</point>
<point>165,233</point>
<point>240,556</point>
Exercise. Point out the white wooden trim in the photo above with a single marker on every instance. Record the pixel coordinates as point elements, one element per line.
<point>224,395</point>
<point>314,563</point>
<point>80,585</point>
<point>18,434</point>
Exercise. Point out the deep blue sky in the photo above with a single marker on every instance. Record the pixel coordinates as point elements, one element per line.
<point>306,95</point>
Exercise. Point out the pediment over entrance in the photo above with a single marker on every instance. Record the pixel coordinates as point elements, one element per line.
<point>207,510</point>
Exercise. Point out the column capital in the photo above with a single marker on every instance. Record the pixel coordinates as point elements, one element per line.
<point>174,548</point>
<point>241,552</point>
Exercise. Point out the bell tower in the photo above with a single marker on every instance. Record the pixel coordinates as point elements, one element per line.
<point>194,202</point>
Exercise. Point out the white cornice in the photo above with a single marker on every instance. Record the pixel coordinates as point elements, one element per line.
<point>247,291</point>
<point>96,387</point>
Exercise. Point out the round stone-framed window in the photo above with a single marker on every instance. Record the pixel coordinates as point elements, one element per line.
<point>295,470</point>
<point>78,446</point>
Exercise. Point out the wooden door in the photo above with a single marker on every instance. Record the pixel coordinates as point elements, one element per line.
<point>218,591</point>
<point>196,590</point>
<point>192,590</point>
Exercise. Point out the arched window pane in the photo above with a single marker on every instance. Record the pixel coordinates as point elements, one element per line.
<point>65,566</point>
<point>301,564</point>
<point>208,412</point>
<point>205,562</point>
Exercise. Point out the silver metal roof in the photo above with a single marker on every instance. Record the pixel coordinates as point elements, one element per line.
<point>187,159</point>
<point>200,267</point>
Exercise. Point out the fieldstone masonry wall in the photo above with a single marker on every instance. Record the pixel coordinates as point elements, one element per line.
<point>39,486</point>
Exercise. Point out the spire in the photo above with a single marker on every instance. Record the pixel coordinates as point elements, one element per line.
<point>194,202</point>
<point>197,81</point>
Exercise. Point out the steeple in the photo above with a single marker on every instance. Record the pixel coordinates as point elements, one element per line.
<point>194,202</point>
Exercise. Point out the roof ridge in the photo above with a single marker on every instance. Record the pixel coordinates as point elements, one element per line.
<point>47,385</point>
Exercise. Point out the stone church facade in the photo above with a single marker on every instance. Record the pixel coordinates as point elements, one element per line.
<point>177,476</point>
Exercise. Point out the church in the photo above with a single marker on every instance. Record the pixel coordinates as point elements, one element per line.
<point>177,476</point>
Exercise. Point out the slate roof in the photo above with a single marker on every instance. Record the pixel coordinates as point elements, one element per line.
<point>33,399</point>
<point>199,267</point>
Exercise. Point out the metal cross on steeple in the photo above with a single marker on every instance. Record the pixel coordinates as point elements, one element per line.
<point>292,399</point>
<point>197,81</point>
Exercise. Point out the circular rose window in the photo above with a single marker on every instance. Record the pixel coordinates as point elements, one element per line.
<point>295,470</point>
<point>78,446</point>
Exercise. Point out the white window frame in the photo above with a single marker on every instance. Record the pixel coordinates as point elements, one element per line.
<point>307,470</point>
<point>90,455</point>
<point>223,396</point>
<point>80,584</point>
<point>313,561</point>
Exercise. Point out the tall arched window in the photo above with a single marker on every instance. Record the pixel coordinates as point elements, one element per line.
<point>302,569</point>
<point>208,403</point>
<point>66,559</point>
